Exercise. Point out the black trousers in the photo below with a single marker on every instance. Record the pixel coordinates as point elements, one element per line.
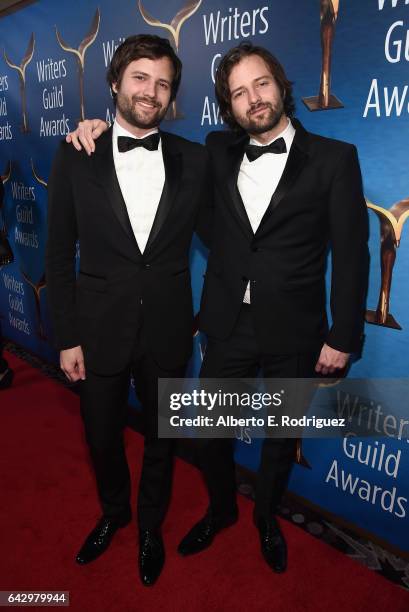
<point>240,357</point>
<point>104,412</point>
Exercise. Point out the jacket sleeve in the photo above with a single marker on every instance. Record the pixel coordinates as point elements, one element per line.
<point>348,221</point>
<point>60,252</point>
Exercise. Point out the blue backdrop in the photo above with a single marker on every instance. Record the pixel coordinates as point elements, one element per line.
<point>44,68</point>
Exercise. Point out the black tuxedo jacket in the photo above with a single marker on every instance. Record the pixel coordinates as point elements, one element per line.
<point>318,202</point>
<point>101,310</point>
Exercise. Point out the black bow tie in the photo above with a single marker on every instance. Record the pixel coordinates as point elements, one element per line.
<point>253,152</point>
<point>127,143</point>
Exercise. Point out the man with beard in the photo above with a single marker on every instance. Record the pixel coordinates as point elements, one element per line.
<point>133,207</point>
<point>282,196</point>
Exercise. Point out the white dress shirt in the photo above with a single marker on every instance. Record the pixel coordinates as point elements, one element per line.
<point>141,177</point>
<point>258,180</point>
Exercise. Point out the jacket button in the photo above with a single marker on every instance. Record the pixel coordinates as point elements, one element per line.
<point>254,249</point>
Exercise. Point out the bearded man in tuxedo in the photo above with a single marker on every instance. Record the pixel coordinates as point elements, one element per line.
<point>282,197</point>
<point>133,207</point>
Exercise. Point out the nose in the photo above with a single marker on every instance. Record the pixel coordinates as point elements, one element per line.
<point>253,96</point>
<point>150,89</point>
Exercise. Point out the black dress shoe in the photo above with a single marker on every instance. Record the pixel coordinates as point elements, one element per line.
<point>202,534</point>
<point>99,539</point>
<point>273,545</point>
<point>6,379</point>
<point>151,556</point>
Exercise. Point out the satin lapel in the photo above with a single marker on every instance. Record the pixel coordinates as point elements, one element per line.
<point>103,162</point>
<point>234,157</point>
<point>173,163</point>
<point>296,160</point>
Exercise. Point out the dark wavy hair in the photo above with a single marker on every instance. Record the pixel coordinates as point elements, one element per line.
<point>231,59</point>
<point>139,46</point>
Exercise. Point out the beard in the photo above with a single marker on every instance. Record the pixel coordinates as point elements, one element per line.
<point>135,115</point>
<point>262,123</point>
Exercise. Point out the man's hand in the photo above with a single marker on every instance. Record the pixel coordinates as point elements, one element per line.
<point>85,134</point>
<point>331,360</point>
<point>72,363</point>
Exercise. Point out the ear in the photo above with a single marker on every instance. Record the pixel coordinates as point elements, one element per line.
<point>115,87</point>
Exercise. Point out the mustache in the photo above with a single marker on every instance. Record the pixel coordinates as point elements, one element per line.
<point>152,101</point>
<point>258,105</point>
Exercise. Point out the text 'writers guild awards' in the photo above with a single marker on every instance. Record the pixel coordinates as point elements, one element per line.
<point>325,99</point>
<point>41,284</point>
<point>80,54</point>
<point>391,225</point>
<point>173,28</point>
<point>28,56</point>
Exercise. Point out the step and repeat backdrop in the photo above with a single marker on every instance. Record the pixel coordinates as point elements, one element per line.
<point>53,60</point>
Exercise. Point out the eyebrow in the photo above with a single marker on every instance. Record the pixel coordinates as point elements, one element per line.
<point>149,75</point>
<point>266,76</point>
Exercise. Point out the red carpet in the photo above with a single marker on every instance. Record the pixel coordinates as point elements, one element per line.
<point>49,504</point>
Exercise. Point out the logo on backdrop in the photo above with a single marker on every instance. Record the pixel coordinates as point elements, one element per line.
<point>36,175</point>
<point>28,56</point>
<point>300,457</point>
<point>325,99</point>
<point>37,288</point>
<point>80,54</point>
<point>391,226</point>
<point>173,28</point>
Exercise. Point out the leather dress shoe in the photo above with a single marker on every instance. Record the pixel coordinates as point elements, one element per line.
<point>151,556</point>
<point>99,539</point>
<point>6,379</point>
<point>273,545</point>
<point>202,534</point>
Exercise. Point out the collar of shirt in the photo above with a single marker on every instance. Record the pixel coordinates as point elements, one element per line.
<point>118,130</point>
<point>288,134</point>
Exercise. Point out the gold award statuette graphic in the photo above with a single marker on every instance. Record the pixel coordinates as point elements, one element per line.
<point>173,28</point>
<point>38,178</point>
<point>6,253</point>
<point>37,287</point>
<point>325,99</point>
<point>28,56</point>
<point>391,226</point>
<point>299,456</point>
<point>80,54</point>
